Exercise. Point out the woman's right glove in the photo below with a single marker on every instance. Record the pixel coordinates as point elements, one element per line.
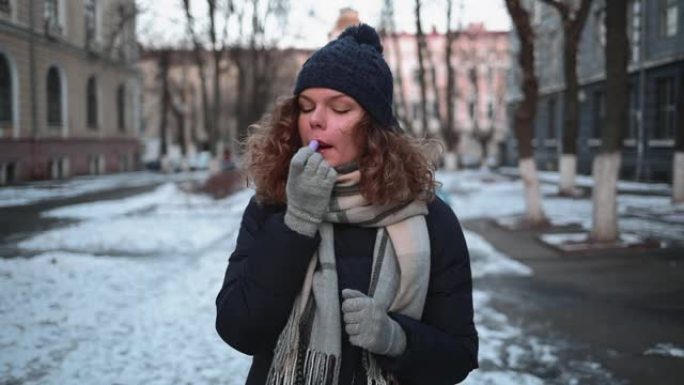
<point>309,186</point>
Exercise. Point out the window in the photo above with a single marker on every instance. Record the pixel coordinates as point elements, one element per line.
<point>472,76</point>
<point>91,102</point>
<point>6,6</point>
<point>665,109</point>
<point>58,167</point>
<point>5,91</point>
<point>551,116</point>
<point>90,21</point>
<point>599,113</point>
<point>52,16</point>
<point>54,97</point>
<point>669,16</point>
<point>52,9</point>
<point>123,34</point>
<point>472,110</point>
<point>121,107</point>
<point>8,173</point>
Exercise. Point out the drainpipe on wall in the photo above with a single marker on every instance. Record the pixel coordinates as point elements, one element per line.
<point>32,64</point>
<point>32,77</point>
<point>642,85</point>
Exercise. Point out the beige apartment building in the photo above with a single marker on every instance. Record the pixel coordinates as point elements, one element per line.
<point>69,88</point>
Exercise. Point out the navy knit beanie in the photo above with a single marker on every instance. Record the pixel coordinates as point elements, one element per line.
<point>353,64</point>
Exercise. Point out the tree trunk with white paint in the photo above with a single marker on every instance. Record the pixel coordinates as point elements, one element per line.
<point>678,161</point>
<point>450,161</point>
<point>605,221</point>
<point>678,178</point>
<point>524,114</point>
<point>607,162</point>
<point>573,19</point>
<point>568,174</point>
<point>528,172</point>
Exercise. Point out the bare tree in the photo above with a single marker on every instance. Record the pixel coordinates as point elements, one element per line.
<point>437,99</point>
<point>421,48</point>
<point>451,137</point>
<point>525,112</point>
<point>163,64</point>
<point>573,23</point>
<point>121,18</point>
<point>389,31</point>
<point>198,51</point>
<point>606,166</point>
<point>258,62</point>
<point>179,111</point>
<point>678,161</point>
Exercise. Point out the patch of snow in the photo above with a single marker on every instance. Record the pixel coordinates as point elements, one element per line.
<point>486,260</point>
<point>179,223</point>
<point>666,349</point>
<point>47,190</point>
<point>559,239</point>
<point>502,377</point>
<point>553,177</point>
<point>77,318</point>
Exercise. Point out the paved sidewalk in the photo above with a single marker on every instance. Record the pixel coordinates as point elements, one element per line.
<point>616,304</point>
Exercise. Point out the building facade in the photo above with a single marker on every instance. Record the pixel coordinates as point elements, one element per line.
<point>69,88</point>
<point>481,61</point>
<point>185,134</point>
<point>656,86</point>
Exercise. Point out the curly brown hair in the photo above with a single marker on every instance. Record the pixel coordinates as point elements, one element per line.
<point>395,167</point>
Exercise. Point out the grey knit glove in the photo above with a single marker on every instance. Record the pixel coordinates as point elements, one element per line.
<point>309,186</point>
<point>369,327</point>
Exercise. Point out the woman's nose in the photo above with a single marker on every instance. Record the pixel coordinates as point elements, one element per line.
<point>317,118</point>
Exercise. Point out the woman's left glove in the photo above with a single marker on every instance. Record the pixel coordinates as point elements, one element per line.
<point>369,327</point>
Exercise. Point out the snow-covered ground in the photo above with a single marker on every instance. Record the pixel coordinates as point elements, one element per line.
<point>45,190</point>
<point>126,294</point>
<point>475,194</point>
<point>552,177</point>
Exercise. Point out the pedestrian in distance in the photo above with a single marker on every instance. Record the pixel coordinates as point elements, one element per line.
<point>348,269</point>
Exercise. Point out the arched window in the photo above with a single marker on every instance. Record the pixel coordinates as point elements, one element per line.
<point>54,97</point>
<point>91,102</point>
<point>121,107</point>
<point>90,21</point>
<point>5,91</point>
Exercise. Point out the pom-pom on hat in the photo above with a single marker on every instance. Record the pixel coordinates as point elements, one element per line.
<point>353,64</point>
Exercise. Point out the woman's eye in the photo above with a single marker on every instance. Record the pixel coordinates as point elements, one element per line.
<point>305,108</point>
<point>341,110</point>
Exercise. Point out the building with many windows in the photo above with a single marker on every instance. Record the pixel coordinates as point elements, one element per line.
<point>481,61</point>
<point>656,86</point>
<point>69,89</point>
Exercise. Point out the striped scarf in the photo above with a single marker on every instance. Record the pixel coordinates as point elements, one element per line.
<point>308,350</point>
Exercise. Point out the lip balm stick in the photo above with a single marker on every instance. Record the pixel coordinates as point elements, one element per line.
<point>313,145</point>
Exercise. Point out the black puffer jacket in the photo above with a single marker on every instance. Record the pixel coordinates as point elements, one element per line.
<point>266,270</point>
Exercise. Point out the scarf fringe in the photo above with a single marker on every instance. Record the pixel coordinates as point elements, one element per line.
<point>374,374</point>
<point>294,366</point>
<point>317,368</point>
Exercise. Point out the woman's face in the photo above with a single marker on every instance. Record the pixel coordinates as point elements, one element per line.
<point>331,118</point>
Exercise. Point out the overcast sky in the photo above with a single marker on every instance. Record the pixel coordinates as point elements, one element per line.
<point>163,21</point>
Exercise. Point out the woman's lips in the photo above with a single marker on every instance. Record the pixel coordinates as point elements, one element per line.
<point>323,145</point>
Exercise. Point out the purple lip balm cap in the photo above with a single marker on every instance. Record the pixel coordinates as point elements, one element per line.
<point>313,144</point>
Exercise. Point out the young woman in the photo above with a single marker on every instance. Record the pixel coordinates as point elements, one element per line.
<point>347,269</point>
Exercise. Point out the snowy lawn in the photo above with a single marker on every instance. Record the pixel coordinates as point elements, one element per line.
<point>44,190</point>
<point>126,295</point>
<point>476,194</point>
